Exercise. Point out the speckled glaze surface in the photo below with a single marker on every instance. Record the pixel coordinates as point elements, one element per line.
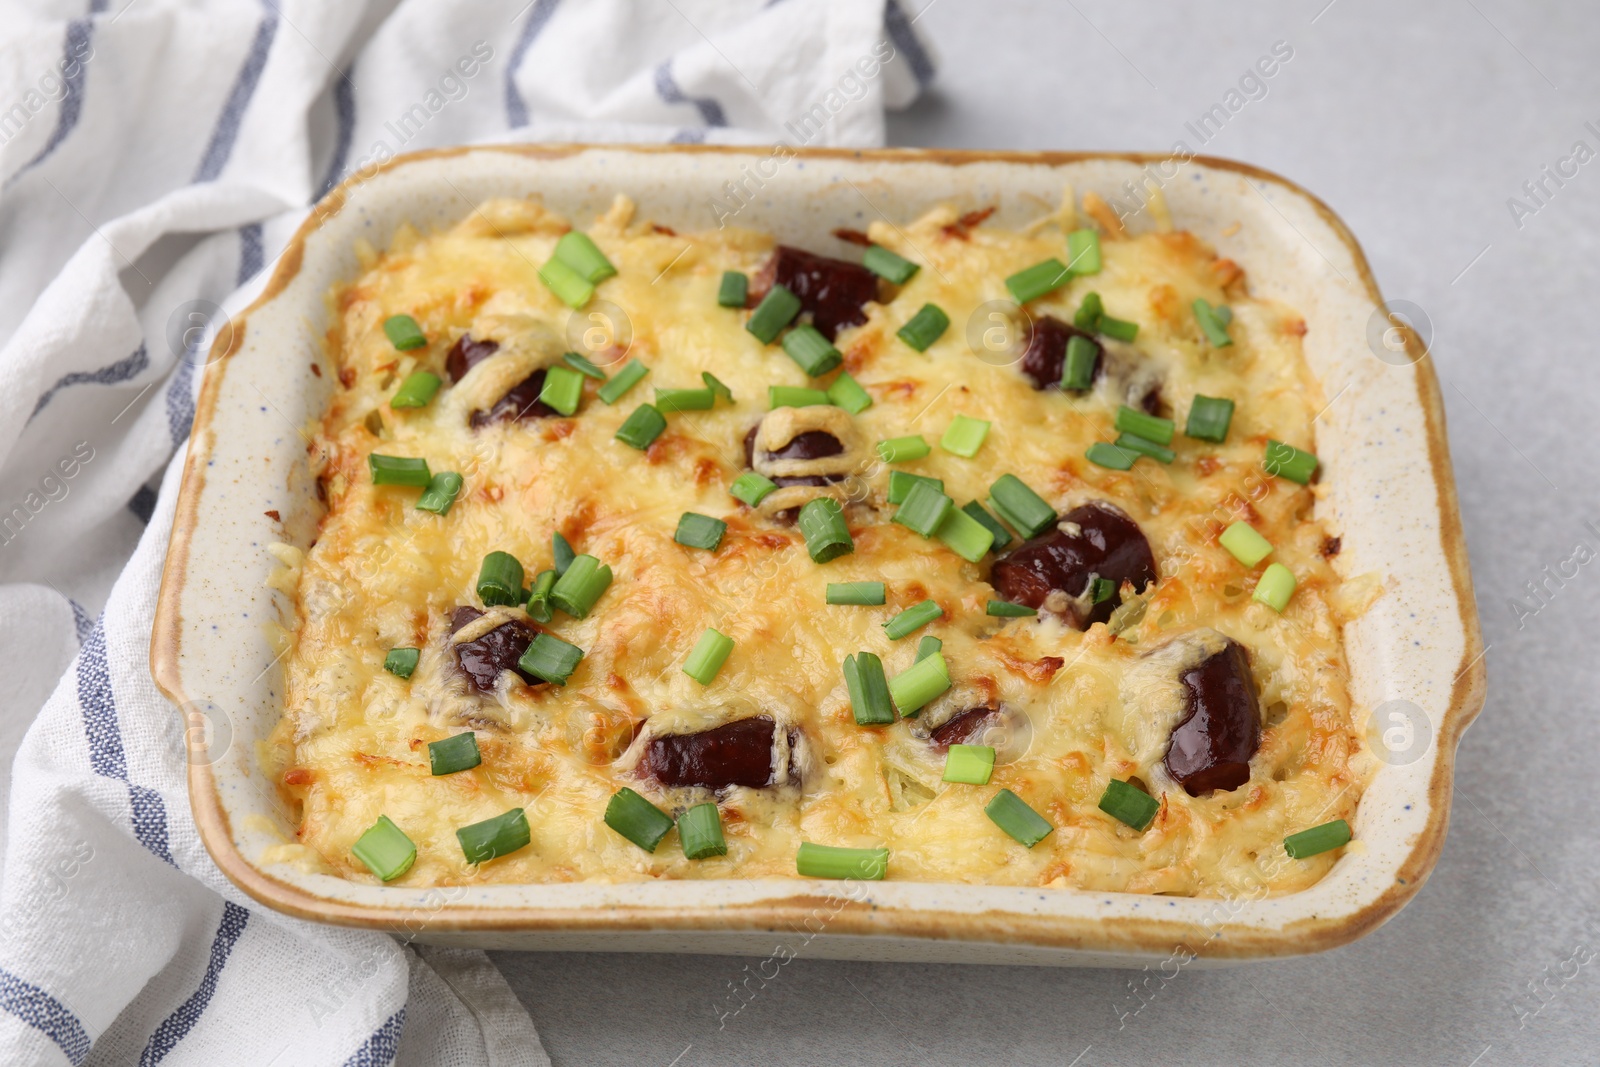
<point>1415,657</point>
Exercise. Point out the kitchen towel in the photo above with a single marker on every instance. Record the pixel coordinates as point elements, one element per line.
<point>154,158</point>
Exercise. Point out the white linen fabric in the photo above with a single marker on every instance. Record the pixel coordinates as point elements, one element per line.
<point>155,153</point>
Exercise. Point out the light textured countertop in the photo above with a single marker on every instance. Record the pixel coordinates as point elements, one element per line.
<point>1416,129</point>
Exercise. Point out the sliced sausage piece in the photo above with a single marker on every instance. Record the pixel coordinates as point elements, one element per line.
<point>1212,745</point>
<point>738,753</point>
<point>833,290</point>
<point>522,402</point>
<point>482,659</point>
<point>1095,540</point>
<point>812,444</point>
<point>964,727</point>
<point>1046,354</point>
<point>466,354</point>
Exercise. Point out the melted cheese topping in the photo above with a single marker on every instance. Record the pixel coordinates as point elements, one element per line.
<point>1080,708</point>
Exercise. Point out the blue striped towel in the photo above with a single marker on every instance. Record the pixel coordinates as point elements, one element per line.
<point>154,157</point>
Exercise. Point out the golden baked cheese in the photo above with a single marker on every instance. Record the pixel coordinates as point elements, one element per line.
<point>1151,660</point>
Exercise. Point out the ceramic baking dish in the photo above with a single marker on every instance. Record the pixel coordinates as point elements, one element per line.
<point>1415,657</point>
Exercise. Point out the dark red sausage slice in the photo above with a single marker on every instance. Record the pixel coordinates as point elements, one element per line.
<point>466,354</point>
<point>522,402</point>
<point>964,727</point>
<point>817,445</point>
<point>1106,544</point>
<point>498,650</point>
<point>1046,353</point>
<point>812,444</point>
<point>833,290</point>
<point>738,753</point>
<point>1211,748</point>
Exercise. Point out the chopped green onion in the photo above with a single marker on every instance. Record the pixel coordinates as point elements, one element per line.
<point>398,470</point>
<point>584,581</point>
<point>1129,804</point>
<point>499,836</point>
<point>924,509</point>
<point>964,436</point>
<point>1213,322</point>
<point>1209,417</point>
<point>734,290</point>
<point>1110,457</point>
<point>1102,590</point>
<point>1287,461</point>
<point>776,310</point>
<point>1002,537</point>
<point>716,386</point>
<point>500,580</point>
<point>1088,312</point>
<point>1119,329</point>
<point>700,831</point>
<point>912,619</point>
<point>458,753</point>
<point>822,524</point>
<point>1077,370</point>
<point>813,352</point>
<point>563,388</point>
<point>795,396</point>
<point>903,449</point>
<point>751,488</point>
<point>539,596</point>
<point>965,535</point>
<point>1083,252</point>
<point>1275,587</point>
<point>700,531</point>
<point>927,647</point>
<point>401,662</point>
<point>403,332</point>
<point>1037,280</point>
<point>1150,427</point>
<point>668,400</point>
<point>441,493</point>
<point>969,764</point>
<point>1025,510</point>
<point>578,251</point>
<point>550,658</point>
<point>867,594</point>
<point>924,328</point>
<point>1245,544</point>
<point>625,379</point>
<point>635,818</point>
<point>583,365</point>
<point>869,690</point>
<point>1012,814</point>
<point>1317,840</point>
<point>641,428</point>
<point>709,654</point>
<point>886,264</point>
<point>1132,442</point>
<point>828,861</point>
<point>900,483</point>
<point>570,287</point>
<point>561,552</point>
<point>1005,609</point>
<point>416,391</point>
<point>846,393</point>
<point>385,849</point>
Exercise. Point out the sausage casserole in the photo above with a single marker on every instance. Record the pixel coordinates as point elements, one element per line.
<point>955,554</point>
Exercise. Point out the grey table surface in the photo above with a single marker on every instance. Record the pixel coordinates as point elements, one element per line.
<point>1419,124</point>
